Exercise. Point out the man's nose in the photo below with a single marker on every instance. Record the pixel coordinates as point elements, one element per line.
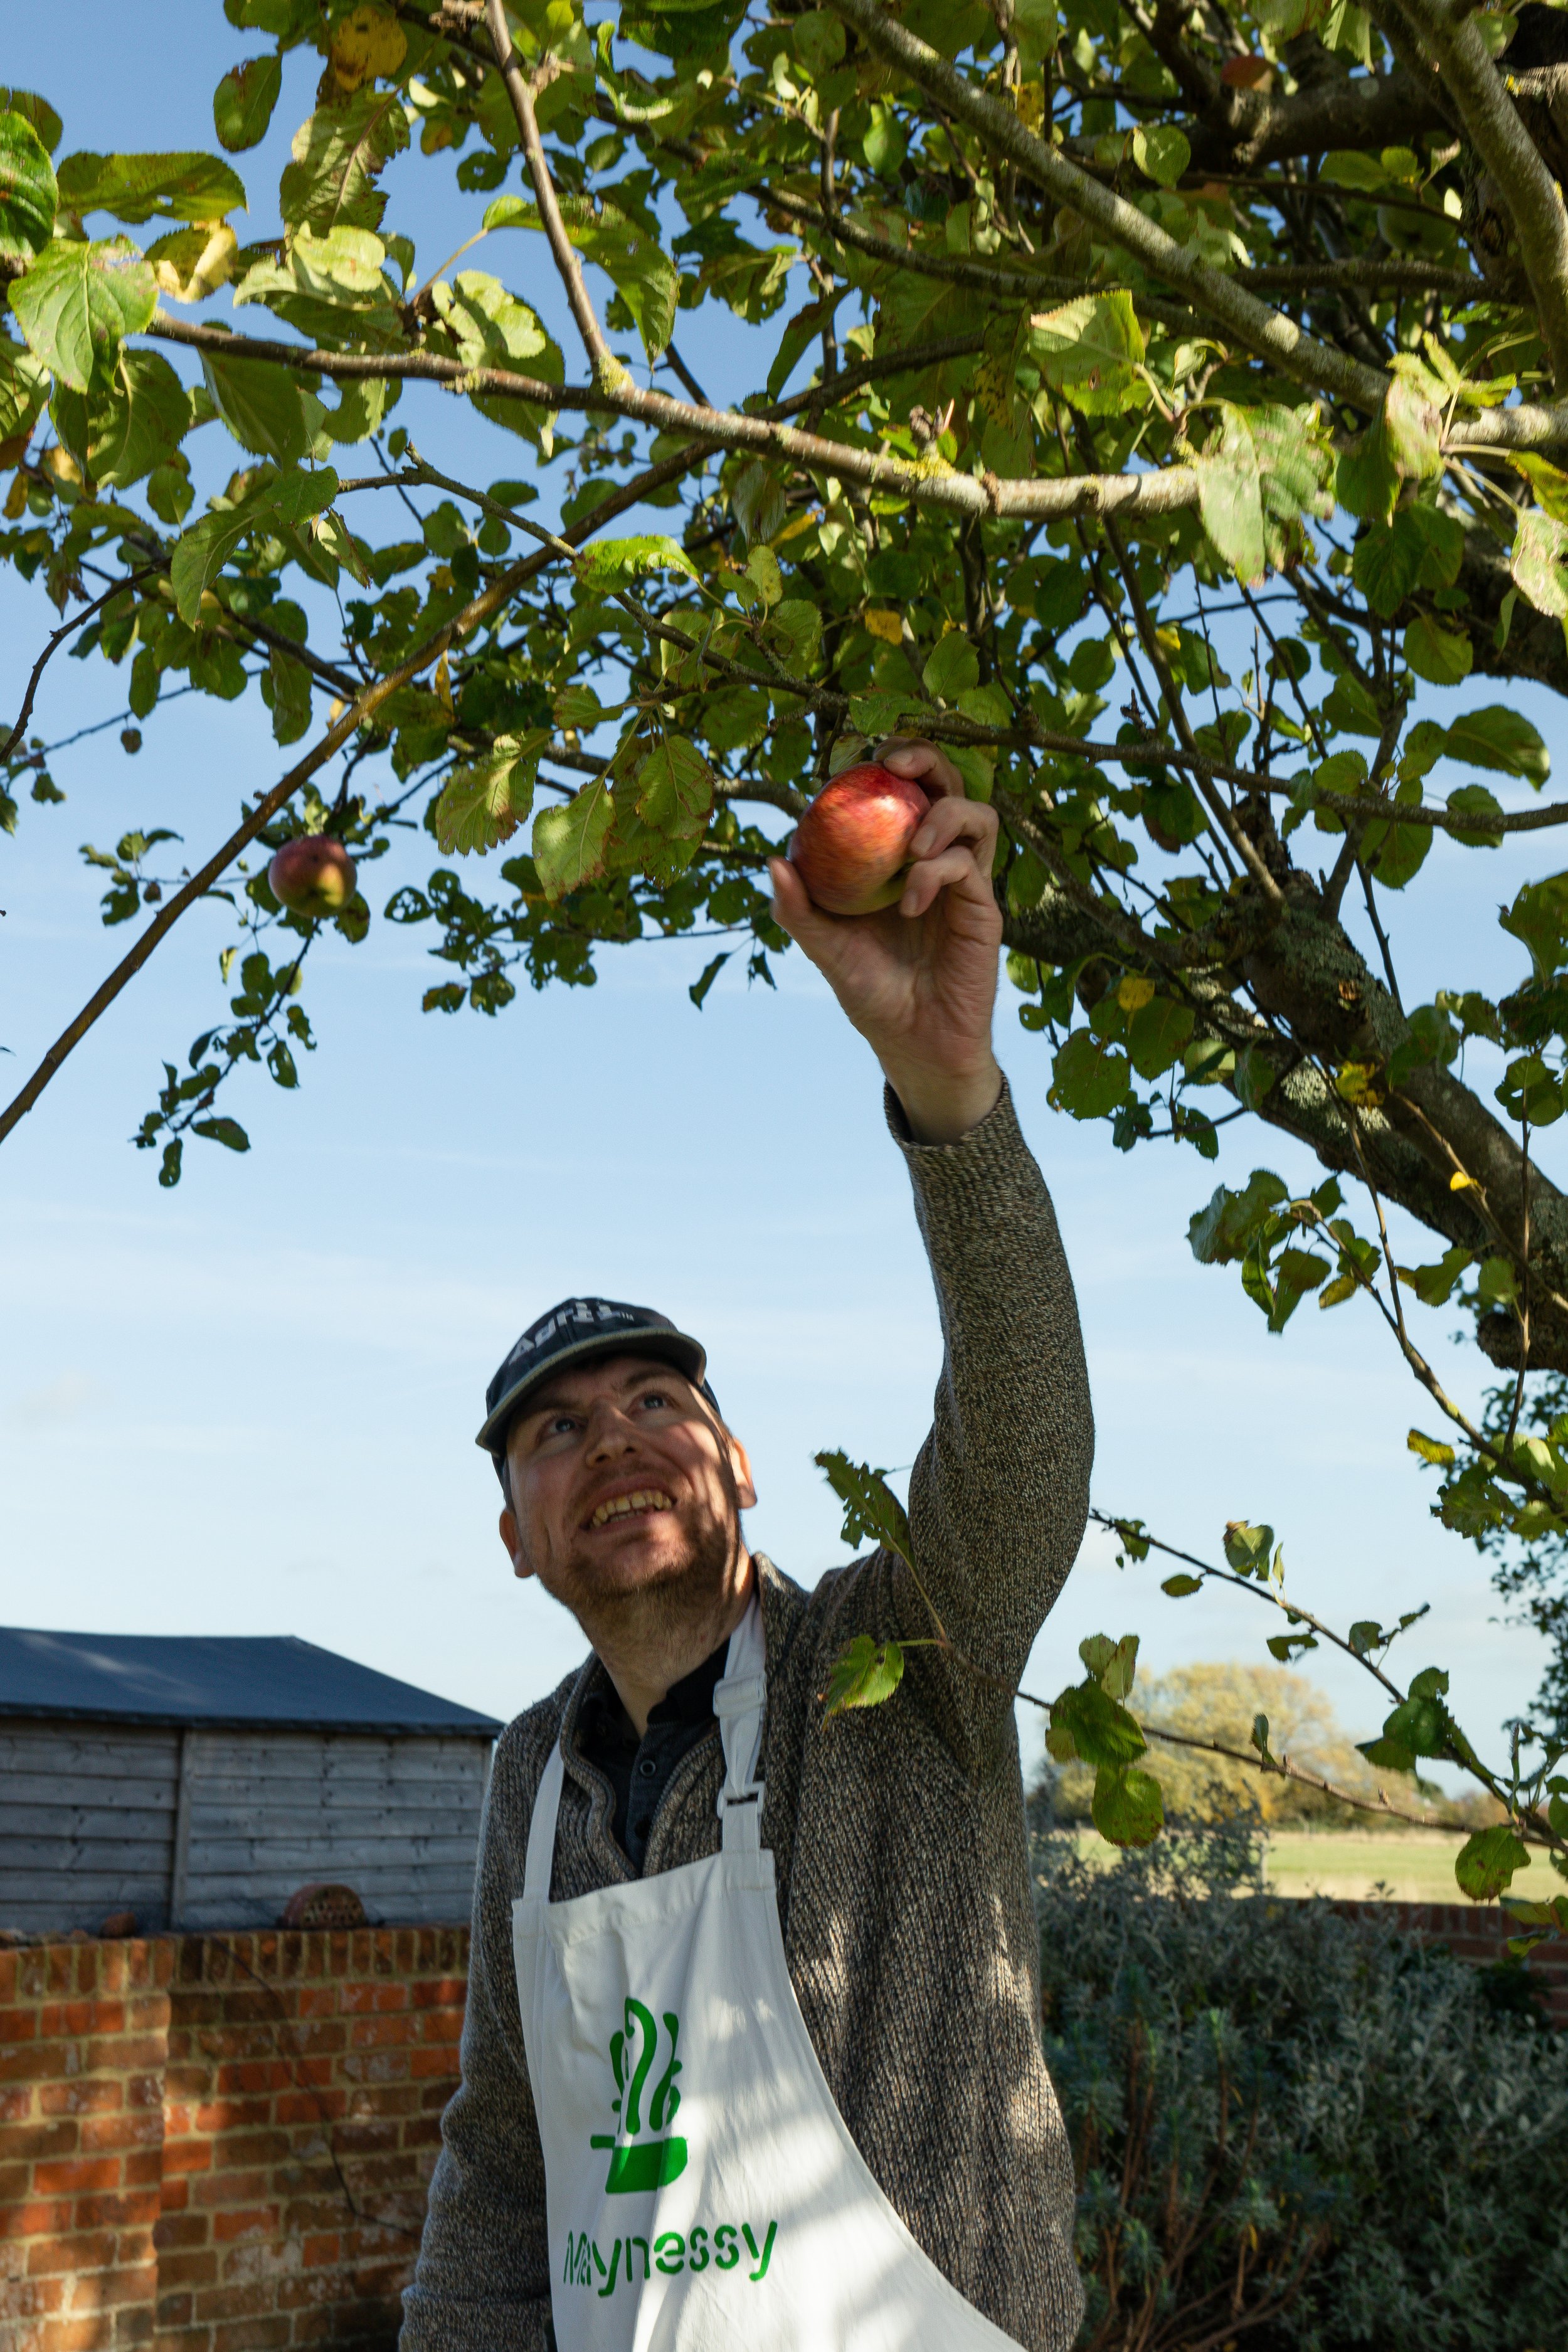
<point>609,1432</point>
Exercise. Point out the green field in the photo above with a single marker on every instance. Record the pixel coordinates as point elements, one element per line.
<point>1412,1867</point>
<point>1358,1865</point>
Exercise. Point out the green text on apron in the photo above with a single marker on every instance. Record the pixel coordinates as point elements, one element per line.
<point>702,2188</point>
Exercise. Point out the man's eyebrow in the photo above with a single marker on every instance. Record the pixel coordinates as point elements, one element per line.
<point>559,1400</point>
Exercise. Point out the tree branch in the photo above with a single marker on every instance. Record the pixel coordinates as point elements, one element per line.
<point>931,482</point>
<point>1511,157</point>
<point>59,638</point>
<point>1268,334</point>
<point>606,368</point>
<point>479,609</point>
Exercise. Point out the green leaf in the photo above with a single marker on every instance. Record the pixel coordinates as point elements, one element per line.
<point>27,192</point>
<point>1486,1861</point>
<point>1112,1663</point>
<point>78,301</point>
<point>1161,153</point>
<point>952,668</point>
<point>1475,802</point>
<point>636,264</point>
<point>227,1131</point>
<point>1434,1286</point>
<point>1442,656</point>
<point>674,788</point>
<point>1539,916</point>
<point>1497,737</point>
<point>338,155</point>
<point>1248,1548</point>
<point>206,548</point>
<point>795,628</point>
<point>492,328</point>
<point>483,803</point>
<point>884,145</point>
<point>698,992</point>
<point>1101,1730</point>
<point>608,564</point>
<point>1230,498</point>
<point>130,424</point>
<point>1539,562</point>
<point>1088,1081</point>
<point>243,102</point>
<point>1181,1585</point>
<point>24,388</point>
<point>135,188</point>
<point>1223,1231</point>
<point>1091,352</point>
<point>866,1673</point>
<point>260,405</point>
<point>569,843</point>
<point>1126,1808</point>
<point>871,1509</point>
<point>1156,1036</point>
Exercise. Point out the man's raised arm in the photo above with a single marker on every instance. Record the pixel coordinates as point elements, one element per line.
<point>999,1496</point>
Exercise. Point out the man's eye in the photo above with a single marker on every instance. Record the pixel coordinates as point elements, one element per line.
<point>656,1397</point>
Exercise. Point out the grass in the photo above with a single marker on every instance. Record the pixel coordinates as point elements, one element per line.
<point>1354,1865</point>
<point>1408,1866</point>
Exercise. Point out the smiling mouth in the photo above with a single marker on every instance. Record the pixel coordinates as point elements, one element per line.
<point>626,1506</point>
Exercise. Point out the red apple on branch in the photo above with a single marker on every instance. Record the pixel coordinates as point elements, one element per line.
<point>313,876</point>
<point>851,848</point>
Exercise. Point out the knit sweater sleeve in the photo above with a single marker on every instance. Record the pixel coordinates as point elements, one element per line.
<point>482,2284</point>
<point>999,1493</point>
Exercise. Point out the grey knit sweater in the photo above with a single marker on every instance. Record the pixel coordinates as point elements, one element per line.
<point>897,1831</point>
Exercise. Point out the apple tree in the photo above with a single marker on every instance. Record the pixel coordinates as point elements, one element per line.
<point>1164,405</point>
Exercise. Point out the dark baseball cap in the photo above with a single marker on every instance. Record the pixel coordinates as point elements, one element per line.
<point>571,1333</point>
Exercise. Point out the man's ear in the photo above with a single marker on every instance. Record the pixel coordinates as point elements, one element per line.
<point>741,1465</point>
<point>514,1552</point>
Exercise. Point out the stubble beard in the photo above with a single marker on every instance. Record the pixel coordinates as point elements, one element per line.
<point>676,1599</point>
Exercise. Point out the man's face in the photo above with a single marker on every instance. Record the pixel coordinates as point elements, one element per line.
<point>626,1493</point>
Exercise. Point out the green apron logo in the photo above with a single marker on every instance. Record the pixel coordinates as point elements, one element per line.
<point>640,2160</point>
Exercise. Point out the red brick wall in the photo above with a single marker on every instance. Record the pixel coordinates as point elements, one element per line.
<point>220,2143</point>
<point>223,2143</point>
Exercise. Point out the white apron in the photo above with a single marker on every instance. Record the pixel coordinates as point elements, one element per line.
<point>702,2190</point>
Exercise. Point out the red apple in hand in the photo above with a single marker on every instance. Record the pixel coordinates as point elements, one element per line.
<point>851,848</point>
<point>313,876</point>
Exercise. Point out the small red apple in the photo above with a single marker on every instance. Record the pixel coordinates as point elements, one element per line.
<point>852,848</point>
<point>313,876</point>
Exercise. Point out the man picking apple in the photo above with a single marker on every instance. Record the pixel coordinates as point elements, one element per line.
<point>752,2054</point>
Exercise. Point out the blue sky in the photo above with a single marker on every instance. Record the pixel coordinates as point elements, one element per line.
<point>247,1405</point>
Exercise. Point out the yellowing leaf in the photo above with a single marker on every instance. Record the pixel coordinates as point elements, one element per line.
<point>569,843</point>
<point>864,1673</point>
<point>192,263</point>
<point>1091,351</point>
<point>484,802</point>
<point>1487,1863</point>
<point>887,627</point>
<point>368,43</point>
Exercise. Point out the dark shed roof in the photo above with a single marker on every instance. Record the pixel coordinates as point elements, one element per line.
<point>216,1679</point>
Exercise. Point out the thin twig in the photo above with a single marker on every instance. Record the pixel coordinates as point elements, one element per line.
<point>59,638</point>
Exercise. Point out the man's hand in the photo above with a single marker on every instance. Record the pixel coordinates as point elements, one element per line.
<point>919,980</point>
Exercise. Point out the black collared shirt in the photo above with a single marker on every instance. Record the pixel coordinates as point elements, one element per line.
<point>639,1770</point>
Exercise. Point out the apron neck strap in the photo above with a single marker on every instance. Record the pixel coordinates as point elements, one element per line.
<point>541,1829</point>
<point>738,1701</point>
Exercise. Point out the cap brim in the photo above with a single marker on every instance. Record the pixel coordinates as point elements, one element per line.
<point>676,1347</point>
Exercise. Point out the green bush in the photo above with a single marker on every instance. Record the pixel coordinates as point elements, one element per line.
<point>1292,2127</point>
